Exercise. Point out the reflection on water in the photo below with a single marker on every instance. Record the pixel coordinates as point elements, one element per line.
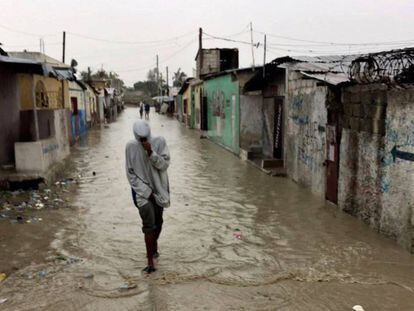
<point>291,252</point>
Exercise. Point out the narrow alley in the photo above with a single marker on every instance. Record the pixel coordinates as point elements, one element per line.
<point>234,239</point>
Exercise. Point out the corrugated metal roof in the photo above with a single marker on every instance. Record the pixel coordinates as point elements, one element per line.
<point>39,57</point>
<point>328,77</point>
<point>22,65</point>
<point>332,69</point>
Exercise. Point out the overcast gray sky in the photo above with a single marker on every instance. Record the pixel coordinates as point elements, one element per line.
<point>128,34</point>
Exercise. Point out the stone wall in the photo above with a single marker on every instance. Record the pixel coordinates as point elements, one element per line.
<point>305,138</point>
<point>373,185</point>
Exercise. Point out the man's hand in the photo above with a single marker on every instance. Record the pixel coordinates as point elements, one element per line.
<point>147,147</point>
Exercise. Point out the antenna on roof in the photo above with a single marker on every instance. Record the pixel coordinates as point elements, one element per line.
<point>251,40</point>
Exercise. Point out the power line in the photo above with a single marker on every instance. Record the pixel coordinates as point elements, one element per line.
<point>354,50</point>
<point>162,61</point>
<point>130,42</point>
<point>231,40</point>
<point>337,43</point>
<point>26,33</point>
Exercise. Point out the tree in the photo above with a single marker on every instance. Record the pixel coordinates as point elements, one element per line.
<point>179,78</point>
<point>149,88</point>
<point>102,74</point>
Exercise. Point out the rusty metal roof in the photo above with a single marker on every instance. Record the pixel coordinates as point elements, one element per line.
<point>22,65</point>
<point>332,69</point>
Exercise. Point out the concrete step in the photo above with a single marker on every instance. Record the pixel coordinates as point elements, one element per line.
<point>272,163</point>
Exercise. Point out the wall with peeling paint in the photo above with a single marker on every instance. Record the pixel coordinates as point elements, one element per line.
<point>9,115</point>
<point>223,111</point>
<point>305,139</point>
<point>251,121</point>
<point>373,185</point>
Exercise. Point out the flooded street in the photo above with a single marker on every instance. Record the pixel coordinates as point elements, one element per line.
<point>233,239</point>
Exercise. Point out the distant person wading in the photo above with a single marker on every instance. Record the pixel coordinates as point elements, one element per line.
<point>147,111</point>
<point>147,161</point>
<point>141,109</point>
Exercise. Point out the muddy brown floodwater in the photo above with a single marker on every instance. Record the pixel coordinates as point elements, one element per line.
<point>234,239</point>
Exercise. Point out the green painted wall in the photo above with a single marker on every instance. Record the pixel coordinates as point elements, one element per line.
<point>223,111</point>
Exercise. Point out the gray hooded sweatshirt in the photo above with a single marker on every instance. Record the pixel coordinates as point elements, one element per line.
<point>145,174</point>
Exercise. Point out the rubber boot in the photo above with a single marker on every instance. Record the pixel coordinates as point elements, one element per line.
<point>149,244</point>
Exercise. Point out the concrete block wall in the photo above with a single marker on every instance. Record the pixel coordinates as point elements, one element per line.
<point>251,121</point>
<point>9,115</point>
<point>36,156</point>
<point>305,137</point>
<point>372,186</point>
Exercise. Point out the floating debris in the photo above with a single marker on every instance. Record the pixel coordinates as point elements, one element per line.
<point>88,275</point>
<point>237,234</point>
<point>127,286</point>
<point>60,257</point>
<point>42,273</point>
<point>3,276</point>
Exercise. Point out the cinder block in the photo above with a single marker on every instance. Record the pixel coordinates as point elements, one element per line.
<point>346,123</point>
<point>377,112</point>
<point>354,124</point>
<point>348,110</point>
<point>346,98</point>
<point>378,126</point>
<point>357,110</point>
<point>355,98</point>
<point>365,125</point>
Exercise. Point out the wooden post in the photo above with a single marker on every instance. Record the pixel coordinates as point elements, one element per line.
<point>168,89</point>
<point>158,80</point>
<point>251,40</point>
<point>63,61</point>
<point>64,47</point>
<point>264,58</point>
<point>36,121</point>
<point>200,50</point>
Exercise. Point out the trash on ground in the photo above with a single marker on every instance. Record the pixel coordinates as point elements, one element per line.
<point>127,286</point>
<point>3,300</point>
<point>3,276</point>
<point>358,308</point>
<point>237,234</point>
<point>88,275</point>
<point>60,257</point>
<point>42,273</point>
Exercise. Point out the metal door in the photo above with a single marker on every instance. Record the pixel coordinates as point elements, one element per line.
<point>204,115</point>
<point>332,163</point>
<point>75,118</point>
<point>278,129</point>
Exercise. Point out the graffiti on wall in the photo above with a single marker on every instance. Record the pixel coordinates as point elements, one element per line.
<point>311,141</point>
<point>218,104</point>
<point>299,114</point>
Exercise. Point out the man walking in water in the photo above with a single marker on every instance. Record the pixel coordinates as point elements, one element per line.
<point>147,111</point>
<point>147,161</point>
<point>141,109</point>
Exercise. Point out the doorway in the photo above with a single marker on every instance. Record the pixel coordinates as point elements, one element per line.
<point>333,139</point>
<point>278,128</point>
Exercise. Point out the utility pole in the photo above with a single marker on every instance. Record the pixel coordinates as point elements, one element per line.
<point>168,88</point>
<point>64,47</point>
<point>158,78</point>
<point>63,61</point>
<point>200,51</point>
<point>251,41</point>
<point>264,58</point>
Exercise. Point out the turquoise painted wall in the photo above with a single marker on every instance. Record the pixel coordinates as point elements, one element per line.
<point>223,111</point>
